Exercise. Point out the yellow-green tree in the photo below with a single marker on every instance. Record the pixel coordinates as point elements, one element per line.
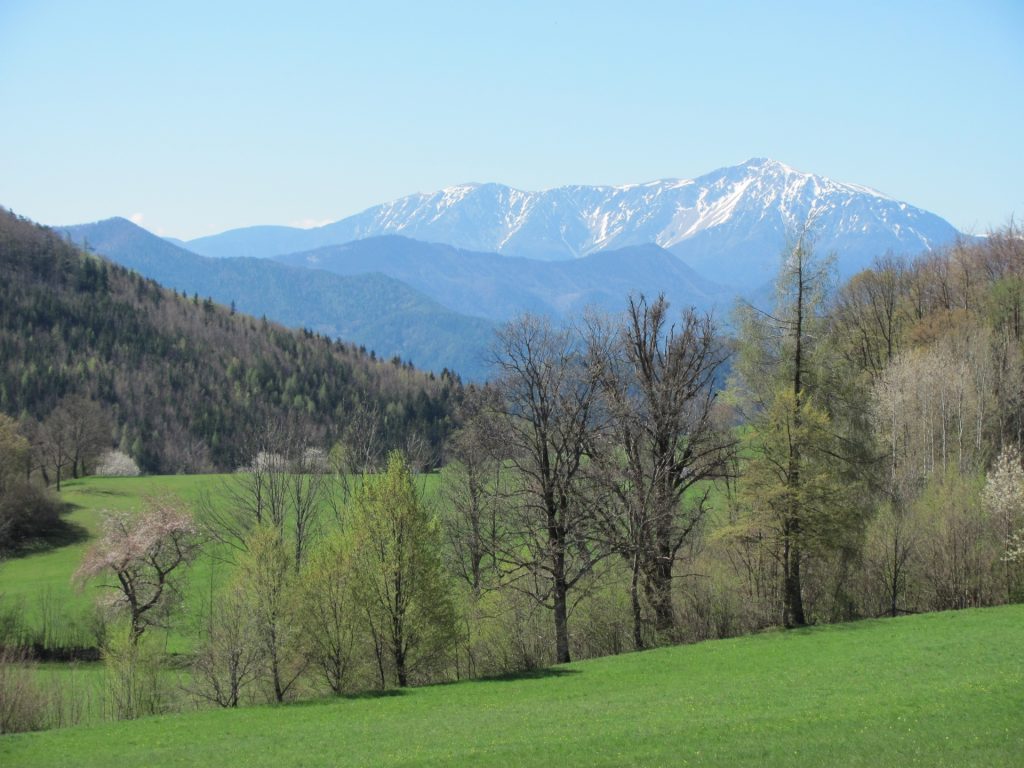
<point>266,575</point>
<point>797,499</point>
<point>330,613</point>
<point>398,572</point>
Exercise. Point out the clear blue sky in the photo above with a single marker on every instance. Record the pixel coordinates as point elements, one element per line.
<point>201,116</point>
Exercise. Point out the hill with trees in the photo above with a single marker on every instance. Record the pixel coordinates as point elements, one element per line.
<point>182,384</point>
<point>371,309</point>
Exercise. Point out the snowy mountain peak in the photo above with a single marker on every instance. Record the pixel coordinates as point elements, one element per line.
<point>572,221</point>
<point>729,224</point>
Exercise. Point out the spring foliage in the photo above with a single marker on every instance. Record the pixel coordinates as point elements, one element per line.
<point>399,577</point>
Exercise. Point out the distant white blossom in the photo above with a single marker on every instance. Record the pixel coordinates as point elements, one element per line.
<point>1004,496</point>
<point>117,464</point>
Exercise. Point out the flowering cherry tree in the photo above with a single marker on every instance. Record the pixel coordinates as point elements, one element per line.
<point>144,553</point>
<point>117,464</point>
<point>1004,496</point>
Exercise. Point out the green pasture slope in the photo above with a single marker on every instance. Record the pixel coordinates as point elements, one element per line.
<point>943,689</point>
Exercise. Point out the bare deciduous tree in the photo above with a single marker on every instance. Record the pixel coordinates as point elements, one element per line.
<point>867,316</point>
<point>228,657</point>
<point>547,403</point>
<point>74,434</point>
<point>471,484</point>
<point>657,384</point>
<point>285,485</point>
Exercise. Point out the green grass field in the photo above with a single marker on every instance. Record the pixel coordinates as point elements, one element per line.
<point>933,690</point>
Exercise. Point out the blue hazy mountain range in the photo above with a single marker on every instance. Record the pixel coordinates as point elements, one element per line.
<point>428,276</point>
<point>433,304</point>
<point>500,287</point>
<point>729,225</point>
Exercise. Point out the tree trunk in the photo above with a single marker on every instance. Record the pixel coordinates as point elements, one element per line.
<point>556,537</point>
<point>379,652</point>
<point>561,624</point>
<point>661,578</point>
<point>894,591</point>
<point>278,690</point>
<point>638,634</point>
<point>793,612</point>
<point>275,667</point>
<point>403,679</point>
<point>136,629</point>
<point>235,685</point>
<point>793,606</point>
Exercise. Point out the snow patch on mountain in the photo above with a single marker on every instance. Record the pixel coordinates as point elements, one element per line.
<point>722,223</point>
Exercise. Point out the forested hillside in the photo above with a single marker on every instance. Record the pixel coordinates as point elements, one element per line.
<point>184,384</point>
<point>371,308</point>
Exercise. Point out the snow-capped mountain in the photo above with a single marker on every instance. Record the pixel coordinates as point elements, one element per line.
<point>730,225</point>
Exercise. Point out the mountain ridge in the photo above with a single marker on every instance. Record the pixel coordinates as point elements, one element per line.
<point>730,224</point>
<point>500,287</point>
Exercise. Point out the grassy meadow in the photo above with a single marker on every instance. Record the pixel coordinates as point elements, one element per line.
<point>944,689</point>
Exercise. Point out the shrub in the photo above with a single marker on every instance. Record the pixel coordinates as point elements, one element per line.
<point>133,668</point>
<point>26,511</point>
<point>22,701</point>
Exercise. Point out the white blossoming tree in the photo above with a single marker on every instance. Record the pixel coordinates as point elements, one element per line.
<point>1004,497</point>
<point>145,553</point>
<point>117,464</point>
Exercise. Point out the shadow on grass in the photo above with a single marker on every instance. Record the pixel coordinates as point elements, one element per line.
<point>60,533</point>
<point>851,625</point>
<point>385,694</point>
<point>357,696</point>
<point>528,674</point>
<point>92,491</point>
<point>532,674</point>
